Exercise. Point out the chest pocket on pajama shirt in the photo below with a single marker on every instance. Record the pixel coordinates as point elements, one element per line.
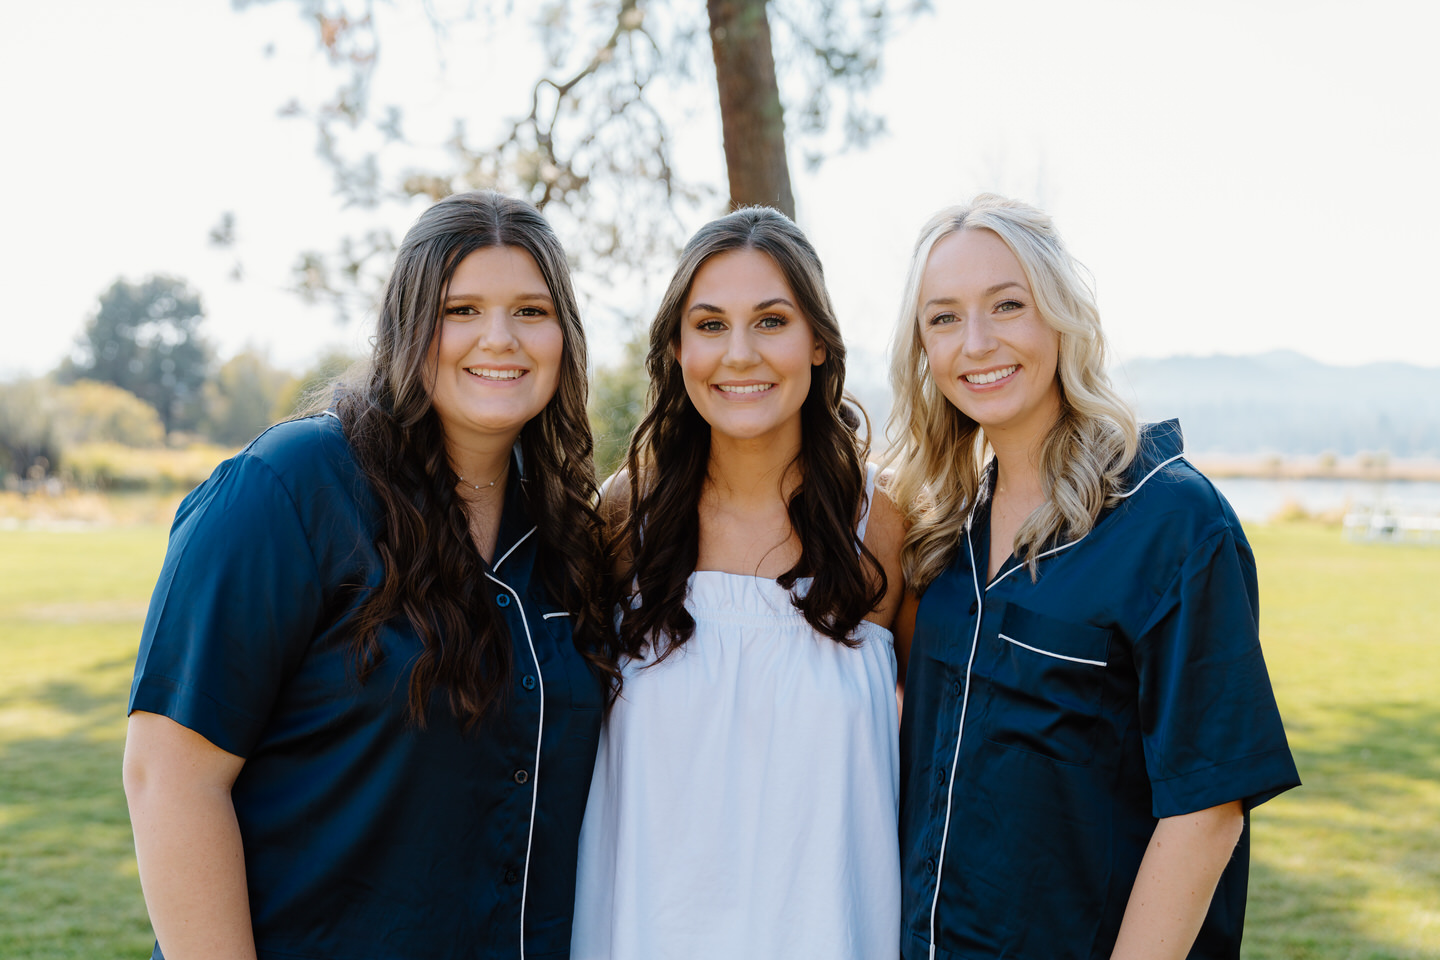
<point>1047,679</point>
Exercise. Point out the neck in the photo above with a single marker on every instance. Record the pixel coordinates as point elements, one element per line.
<point>480,462</point>
<point>752,470</point>
<point>1018,466</point>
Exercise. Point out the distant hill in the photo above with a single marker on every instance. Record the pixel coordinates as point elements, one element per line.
<point>1279,402</point>
<point>1286,403</point>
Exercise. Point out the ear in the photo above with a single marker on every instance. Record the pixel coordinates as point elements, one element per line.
<point>817,356</point>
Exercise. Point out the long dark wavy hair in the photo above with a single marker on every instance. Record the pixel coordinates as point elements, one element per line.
<point>433,573</point>
<point>669,458</point>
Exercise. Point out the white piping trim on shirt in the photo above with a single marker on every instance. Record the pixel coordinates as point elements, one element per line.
<point>539,738</point>
<point>955,761</point>
<point>512,550</point>
<point>965,698</point>
<point>552,616</point>
<point>1158,467</point>
<point>1119,496</point>
<point>1057,656</point>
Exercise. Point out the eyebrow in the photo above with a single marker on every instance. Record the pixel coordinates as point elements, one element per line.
<point>524,296</point>
<point>762,305</point>
<point>951,301</point>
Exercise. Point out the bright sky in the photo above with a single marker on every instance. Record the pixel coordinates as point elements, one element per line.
<point>1238,176</point>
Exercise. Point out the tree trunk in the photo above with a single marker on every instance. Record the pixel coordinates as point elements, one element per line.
<point>750,114</point>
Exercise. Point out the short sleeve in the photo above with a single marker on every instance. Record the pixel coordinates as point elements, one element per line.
<point>234,610</point>
<point>1211,729</point>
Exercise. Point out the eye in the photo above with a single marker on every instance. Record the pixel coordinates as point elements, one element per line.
<point>710,326</point>
<point>1009,306</point>
<point>461,310</point>
<point>532,311</point>
<point>771,322</point>
<point>941,318</point>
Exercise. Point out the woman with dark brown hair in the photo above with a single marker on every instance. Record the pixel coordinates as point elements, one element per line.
<point>744,798</point>
<point>370,684</point>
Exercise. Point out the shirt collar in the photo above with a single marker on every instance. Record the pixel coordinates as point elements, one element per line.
<point>1159,442</point>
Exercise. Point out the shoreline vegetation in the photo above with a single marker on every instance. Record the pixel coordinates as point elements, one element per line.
<point>1373,467</point>
<point>110,484</point>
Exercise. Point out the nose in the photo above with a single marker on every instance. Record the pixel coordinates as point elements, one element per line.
<point>496,334</point>
<point>979,336</point>
<point>740,349</point>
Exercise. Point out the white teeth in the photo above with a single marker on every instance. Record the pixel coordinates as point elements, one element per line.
<point>748,388</point>
<point>992,376</point>
<point>486,374</point>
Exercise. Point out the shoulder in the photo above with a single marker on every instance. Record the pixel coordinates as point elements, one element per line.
<point>302,449</point>
<point>1169,507</point>
<point>885,530</point>
<point>615,498</point>
<point>306,464</point>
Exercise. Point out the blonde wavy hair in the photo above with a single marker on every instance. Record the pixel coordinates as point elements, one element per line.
<point>940,455</point>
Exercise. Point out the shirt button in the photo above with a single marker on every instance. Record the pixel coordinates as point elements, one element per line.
<point>512,876</point>
<point>940,777</point>
<point>528,682</point>
<point>521,776</point>
<point>930,867</point>
<point>974,605</point>
<point>503,600</point>
<point>955,688</point>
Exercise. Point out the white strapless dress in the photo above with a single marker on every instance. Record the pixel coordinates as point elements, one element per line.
<point>745,794</point>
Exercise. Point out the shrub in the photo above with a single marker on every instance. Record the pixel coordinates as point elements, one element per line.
<point>89,411</point>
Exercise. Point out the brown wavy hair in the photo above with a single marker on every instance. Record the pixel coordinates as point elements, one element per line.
<point>670,451</point>
<point>433,573</point>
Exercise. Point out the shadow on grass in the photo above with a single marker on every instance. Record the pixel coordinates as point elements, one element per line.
<point>1364,839</point>
<point>68,885</point>
<point>80,700</point>
<point>1300,917</point>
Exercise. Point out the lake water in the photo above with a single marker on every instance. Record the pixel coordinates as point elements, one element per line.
<point>1257,500</point>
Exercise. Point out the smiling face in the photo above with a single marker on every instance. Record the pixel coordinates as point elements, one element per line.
<point>990,351</point>
<point>497,351</point>
<point>746,350</point>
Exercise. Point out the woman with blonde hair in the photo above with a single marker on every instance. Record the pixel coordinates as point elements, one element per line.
<point>1088,718</point>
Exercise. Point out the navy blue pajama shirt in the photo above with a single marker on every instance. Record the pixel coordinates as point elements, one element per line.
<point>364,836</point>
<point>1048,725</point>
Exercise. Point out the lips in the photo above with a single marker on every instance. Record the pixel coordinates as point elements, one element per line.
<point>991,376</point>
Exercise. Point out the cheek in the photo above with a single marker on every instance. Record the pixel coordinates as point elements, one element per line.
<point>548,351</point>
<point>692,359</point>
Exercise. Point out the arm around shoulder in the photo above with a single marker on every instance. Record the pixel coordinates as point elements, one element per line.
<point>884,536</point>
<point>615,515</point>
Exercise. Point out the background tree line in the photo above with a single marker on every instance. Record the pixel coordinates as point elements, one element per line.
<point>595,151</point>
<point>143,375</point>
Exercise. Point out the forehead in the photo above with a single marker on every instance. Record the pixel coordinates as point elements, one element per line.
<point>499,268</point>
<point>971,257</point>
<point>743,277</point>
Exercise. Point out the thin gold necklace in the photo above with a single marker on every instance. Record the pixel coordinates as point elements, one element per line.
<point>483,486</point>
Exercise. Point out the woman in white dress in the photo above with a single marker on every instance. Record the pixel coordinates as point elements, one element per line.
<point>745,793</point>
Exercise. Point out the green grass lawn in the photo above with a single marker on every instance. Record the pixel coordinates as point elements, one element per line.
<point>1345,868</point>
<point>1349,865</point>
<point>71,605</point>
